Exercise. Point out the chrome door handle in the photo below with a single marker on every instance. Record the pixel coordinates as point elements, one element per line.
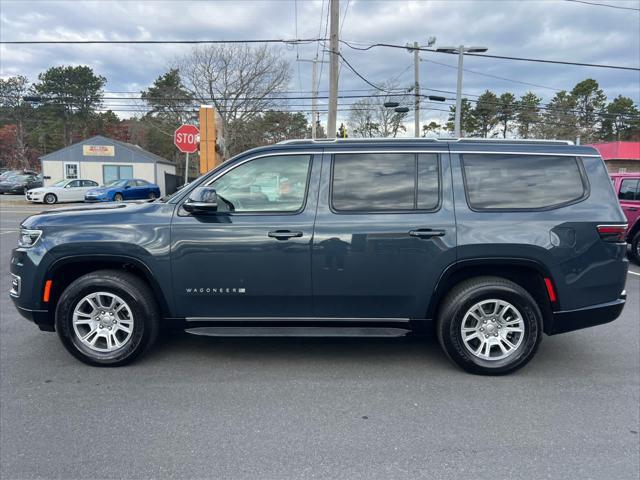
<point>426,233</point>
<point>284,234</point>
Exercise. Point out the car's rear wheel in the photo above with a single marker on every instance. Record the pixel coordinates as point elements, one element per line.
<point>107,318</point>
<point>489,326</point>
<point>50,198</point>
<point>117,197</point>
<point>635,248</point>
<point>152,196</point>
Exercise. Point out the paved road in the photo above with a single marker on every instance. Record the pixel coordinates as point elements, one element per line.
<point>198,407</point>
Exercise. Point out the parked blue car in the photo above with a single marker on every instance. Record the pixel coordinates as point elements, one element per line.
<point>119,190</point>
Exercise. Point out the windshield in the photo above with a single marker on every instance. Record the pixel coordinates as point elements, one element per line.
<point>116,183</point>
<point>59,183</point>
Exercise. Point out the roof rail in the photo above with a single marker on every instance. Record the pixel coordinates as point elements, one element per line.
<point>503,141</point>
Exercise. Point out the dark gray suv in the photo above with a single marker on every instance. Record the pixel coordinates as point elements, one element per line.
<point>488,243</point>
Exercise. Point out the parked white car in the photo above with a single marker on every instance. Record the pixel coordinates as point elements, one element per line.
<point>62,191</point>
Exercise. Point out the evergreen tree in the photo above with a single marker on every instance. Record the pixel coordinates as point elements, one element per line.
<point>528,114</point>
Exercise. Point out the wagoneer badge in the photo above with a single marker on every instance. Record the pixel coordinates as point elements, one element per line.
<point>215,291</point>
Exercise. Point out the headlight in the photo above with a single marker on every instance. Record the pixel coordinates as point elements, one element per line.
<point>28,238</point>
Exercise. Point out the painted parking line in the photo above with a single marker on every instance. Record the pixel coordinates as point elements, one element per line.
<point>8,231</point>
<point>634,273</point>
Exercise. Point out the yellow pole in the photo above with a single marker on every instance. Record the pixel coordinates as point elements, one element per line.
<point>208,157</point>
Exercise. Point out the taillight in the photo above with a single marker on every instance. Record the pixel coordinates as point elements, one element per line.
<point>612,233</point>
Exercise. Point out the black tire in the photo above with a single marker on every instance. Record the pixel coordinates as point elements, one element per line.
<point>50,199</point>
<point>635,248</point>
<point>467,294</point>
<point>138,297</point>
<point>117,197</point>
<point>152,196</point>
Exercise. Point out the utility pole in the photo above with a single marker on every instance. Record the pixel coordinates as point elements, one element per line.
<point>334,6</point>
<point>458,121</point>
<point>314,93</point>
<point>416,87</point>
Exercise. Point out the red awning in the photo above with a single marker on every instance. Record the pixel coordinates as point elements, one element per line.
<point>618,150</point>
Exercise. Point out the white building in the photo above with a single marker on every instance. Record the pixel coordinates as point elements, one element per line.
<point>103,160</point>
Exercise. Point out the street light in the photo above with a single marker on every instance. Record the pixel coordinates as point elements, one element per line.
<point>461,50</point>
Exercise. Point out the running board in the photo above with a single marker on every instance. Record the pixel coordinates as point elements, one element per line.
<point>298,331</point>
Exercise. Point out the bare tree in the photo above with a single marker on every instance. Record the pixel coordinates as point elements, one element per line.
<point>370,118</point>
<point>238,80</point>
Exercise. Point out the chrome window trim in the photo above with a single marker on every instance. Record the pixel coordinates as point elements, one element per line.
<point>331,151</point>
<point>547,154</point>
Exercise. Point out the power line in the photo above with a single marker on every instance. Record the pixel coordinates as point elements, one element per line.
<point>493,76</point>
<point>295,41</point>
<point>596,4</point>
<point>501,57</point>
<point>300,42</point>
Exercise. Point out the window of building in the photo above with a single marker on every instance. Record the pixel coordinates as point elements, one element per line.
<point>266,184</point>
<point>116,172</point>
<point>71,170</point>
<point>385,182</point>
<point>522,182</point>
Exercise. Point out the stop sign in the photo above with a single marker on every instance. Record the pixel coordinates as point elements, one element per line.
<point>186,138</point>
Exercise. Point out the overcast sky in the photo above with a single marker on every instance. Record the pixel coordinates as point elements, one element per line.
<point>549,29</point>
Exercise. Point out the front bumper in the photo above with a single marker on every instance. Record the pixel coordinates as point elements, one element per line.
<point>34,197</point>
<point>569,320</point>
<point>25,293</point>
<point>92,199</point>
<point>42,318</point>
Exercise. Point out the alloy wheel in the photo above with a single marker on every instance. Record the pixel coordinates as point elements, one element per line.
<point>492,329</point>
<point>103,322</point>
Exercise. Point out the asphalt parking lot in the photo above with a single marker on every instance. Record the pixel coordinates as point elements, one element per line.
<point>198,407</point>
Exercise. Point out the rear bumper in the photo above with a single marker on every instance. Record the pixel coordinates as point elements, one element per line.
<point>569,320</point>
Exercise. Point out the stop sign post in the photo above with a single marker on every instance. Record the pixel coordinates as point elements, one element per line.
<point>186,138</point>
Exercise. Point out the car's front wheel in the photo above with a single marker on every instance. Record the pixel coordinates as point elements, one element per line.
<point>117,197</point>
<point>107,318</point>
<point>50,199</point>
<point>489,326</point>
<point>152,195</point>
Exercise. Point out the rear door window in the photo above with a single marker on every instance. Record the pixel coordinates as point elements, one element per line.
<point>385,182</point>
<point>522,182</point>
<point>629,189</point>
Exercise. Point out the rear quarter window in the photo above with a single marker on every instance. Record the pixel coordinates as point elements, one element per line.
<point>522,182</point>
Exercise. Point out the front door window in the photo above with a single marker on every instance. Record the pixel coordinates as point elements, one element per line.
<point>268,184</point>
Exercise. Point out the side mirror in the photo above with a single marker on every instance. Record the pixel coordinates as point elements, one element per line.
<point>68,185</point>
<point>202,200</point>
<point>127,187</point>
